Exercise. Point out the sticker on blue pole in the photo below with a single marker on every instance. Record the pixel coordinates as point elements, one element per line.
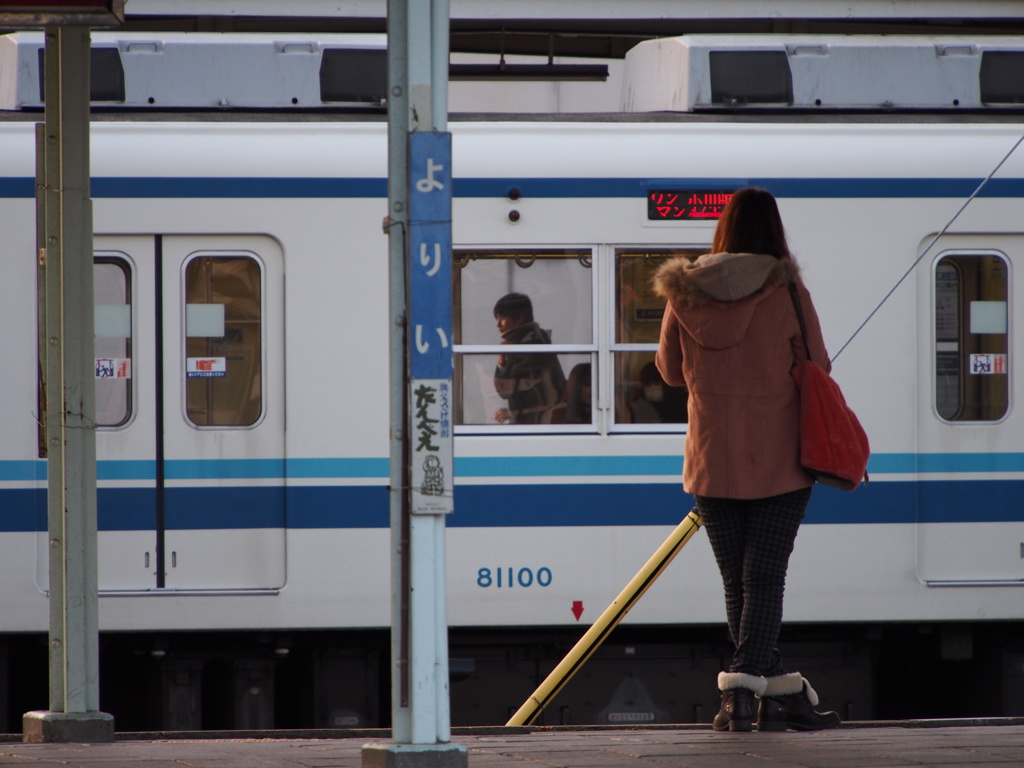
<point>432,456</point>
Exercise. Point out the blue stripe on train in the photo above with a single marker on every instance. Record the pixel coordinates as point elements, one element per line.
<point>538,505</point>
<point>487,466</point>
<point>213,469</point>
<point>297,187</point>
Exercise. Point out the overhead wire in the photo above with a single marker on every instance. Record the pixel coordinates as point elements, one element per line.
<point>929,247</point>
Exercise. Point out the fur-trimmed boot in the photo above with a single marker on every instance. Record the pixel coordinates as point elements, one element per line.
<point>739,707</point>
<point>788,701</point>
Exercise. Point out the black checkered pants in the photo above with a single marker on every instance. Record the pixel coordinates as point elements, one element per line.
<point>752,540</point>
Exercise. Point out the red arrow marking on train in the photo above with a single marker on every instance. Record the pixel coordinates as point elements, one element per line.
<point>577,609</point>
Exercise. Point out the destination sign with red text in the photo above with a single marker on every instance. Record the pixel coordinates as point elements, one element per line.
<point>686,205</point>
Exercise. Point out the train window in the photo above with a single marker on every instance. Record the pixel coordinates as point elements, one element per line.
<point>223,340</point>
<point>112,291</point>
<point>542,302</point>
<point>971,342</point>
<point>641,395</point>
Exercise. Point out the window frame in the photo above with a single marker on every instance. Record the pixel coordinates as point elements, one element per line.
<point>592,348</point>
<point>934,350</point>
<point>182,363</point>
<point>615,347</point>
<point>603,350</point>
<point>128,266</point>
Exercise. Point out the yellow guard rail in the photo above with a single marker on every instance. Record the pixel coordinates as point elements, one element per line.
<point>607,621</point>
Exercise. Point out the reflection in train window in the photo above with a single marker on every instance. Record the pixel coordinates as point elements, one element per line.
<point>540,301</point>
<point>641,395</point>
<point>971,339</point>
<point>112,292</point>
<point>223,340</point>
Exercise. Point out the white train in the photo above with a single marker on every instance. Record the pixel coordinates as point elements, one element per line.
<point>259,480</point>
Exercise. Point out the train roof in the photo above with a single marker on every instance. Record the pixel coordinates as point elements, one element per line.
<point>296,74</point>
<point>219,71</point>
<point>813,72</point>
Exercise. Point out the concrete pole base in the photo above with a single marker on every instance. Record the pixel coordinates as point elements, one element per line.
<point>42,726</point>
<point>415,756</point>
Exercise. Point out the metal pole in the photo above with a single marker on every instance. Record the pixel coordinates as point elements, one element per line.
<point>66,263</point>
<point>439,120</point>
<point>419,228</point>
<point>418,50</point>
<point>397,227</point>
<point>430,326</point>
<point>71,429</point>
<point>439,64</point>
<point>607,621</point>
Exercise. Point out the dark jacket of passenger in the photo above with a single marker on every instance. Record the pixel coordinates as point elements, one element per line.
<point>531,382</point>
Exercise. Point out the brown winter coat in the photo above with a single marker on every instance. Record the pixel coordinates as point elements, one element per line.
<point>730,333</point>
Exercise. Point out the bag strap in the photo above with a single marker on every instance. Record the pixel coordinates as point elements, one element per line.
<point>795,295</point>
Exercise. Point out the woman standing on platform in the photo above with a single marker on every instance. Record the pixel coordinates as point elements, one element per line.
<point>731,335</point>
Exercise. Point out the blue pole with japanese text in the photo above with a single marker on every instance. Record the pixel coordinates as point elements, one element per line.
<point>419,229</point>
<point>430,301</point>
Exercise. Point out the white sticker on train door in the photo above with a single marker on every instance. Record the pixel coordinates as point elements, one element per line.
<point>206,367</point>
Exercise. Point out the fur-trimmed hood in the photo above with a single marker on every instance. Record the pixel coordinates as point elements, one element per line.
<point>714,297</point>
<point>721,277</point>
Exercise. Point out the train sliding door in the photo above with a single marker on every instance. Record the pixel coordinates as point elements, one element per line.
<point>223,413</point>
<point>190,402</point>
<point>126,425</point>
<point>970,520</point>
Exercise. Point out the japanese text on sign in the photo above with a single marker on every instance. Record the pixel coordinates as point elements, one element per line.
<point>432,447</point>
<point>430,321</point>
<point>686,205</point>
<point>430,248</point>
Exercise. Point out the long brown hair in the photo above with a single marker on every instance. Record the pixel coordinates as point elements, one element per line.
<point>751,223</point>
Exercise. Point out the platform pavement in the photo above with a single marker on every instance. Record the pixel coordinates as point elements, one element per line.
<point>978,743</point>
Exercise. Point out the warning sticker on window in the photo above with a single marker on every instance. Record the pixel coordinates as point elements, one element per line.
<point>113,367</point>
<point>988,364</point>
<point>206,367</point>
